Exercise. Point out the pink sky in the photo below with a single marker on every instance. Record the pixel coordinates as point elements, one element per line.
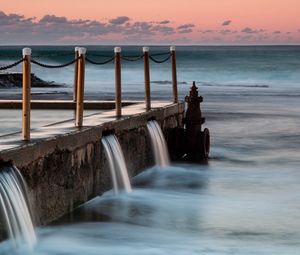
<point>176,21</point>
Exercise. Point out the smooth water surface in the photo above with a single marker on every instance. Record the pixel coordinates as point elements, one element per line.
<point>246,200</point>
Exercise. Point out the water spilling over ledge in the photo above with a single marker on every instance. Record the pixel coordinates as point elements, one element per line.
<point>65,166</point>
<point>117,165</point>
<point>159,145</point>
<point>15,208</point>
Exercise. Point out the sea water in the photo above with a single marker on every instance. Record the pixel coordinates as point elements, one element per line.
<point>245,200</point>
<point>248,69</point>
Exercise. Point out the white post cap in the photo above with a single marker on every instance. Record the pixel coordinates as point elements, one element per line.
<point>145,49</point>
<point>26,52</point>
<point>77,49</point>
<point>117,49</point>
<point>172,48</point>
<point>81,51</point>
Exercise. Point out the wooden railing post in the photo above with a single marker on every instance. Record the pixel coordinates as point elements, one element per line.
<point>147,78</point>
<point>26,94</point>
<point>174,74</point>
<point>75,75</point>
<point>80,87</point>
<point>118,93</point>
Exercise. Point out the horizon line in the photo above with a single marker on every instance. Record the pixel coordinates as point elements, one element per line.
<point>153,45</point>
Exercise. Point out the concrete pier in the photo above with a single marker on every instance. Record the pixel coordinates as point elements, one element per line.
<point>65,166</point>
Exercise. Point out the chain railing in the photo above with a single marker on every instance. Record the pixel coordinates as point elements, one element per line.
<point>132,58</point>
<point>2,68</point>
<point>51,55</point>
<point>54,66</point>
<point>79,77</point>
<point>160,61</point>
<point>93,62</point>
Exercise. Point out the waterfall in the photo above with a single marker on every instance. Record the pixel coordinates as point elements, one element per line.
<point>14,205</point>
<point>158,142</point>
<point>118,169</point>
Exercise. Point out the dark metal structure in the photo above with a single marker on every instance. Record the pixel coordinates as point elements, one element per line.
<point>189,142</point>
<point>197,141</point>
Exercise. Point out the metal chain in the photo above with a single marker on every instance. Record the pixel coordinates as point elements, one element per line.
<point>160,54</point>
<point>55,66</point>
<point>160,61</point>
<point>99,55</point>
<point>2,68</point>
<point>99,63</point>
<point>132,58</point>
<point>54,55</point>
<point>126,58</point>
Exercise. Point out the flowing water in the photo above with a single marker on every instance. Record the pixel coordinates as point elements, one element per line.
<point>246,200</point>
<point>117,165</point>
<point>14,207</point>
<point>159,146</point>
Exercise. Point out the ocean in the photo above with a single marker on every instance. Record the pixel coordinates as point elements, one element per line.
<point>245,200</point>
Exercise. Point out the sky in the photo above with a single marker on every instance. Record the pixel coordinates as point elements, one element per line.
<point>204,22</point>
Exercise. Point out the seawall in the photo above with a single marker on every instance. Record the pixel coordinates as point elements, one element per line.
<point>65,166</point>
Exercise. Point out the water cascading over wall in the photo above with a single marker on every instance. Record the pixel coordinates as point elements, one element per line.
<point>65,171</point>
<point>117,165</point>
<point>159,145</point>
<point>14,207</point>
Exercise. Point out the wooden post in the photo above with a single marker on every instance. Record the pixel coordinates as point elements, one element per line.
<point>118,95</point>
<point>26,94</point>
<point>75,75</point>
<point>147,78</point>
<point>80,87</point>
<point>174,74</point>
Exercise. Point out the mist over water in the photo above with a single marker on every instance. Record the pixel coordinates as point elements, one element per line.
<point>239,68</point>
<point>246,200</point>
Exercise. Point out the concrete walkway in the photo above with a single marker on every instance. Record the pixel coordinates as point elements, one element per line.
<point>106,119</point>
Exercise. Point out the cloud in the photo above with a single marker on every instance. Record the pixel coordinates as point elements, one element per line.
<point>186,26</point>
<point>186,31</point>
<point>164,22</point>
<point>53,19</point>
<point>139,28</point>
<point>249,30</point>
<point>52,29</point>
<point>227,31</point>
<point>58,29</point>
<point>165,30</point>
<point>208,31</point>
<point>119,20</point>
<point>226,23</point>
<point>276,32</point>
<point>148,28</point>
<point>14,19</point>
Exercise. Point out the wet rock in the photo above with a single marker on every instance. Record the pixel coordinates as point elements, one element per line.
<point>14,80</point>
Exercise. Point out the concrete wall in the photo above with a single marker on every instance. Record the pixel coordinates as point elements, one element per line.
<point>70,169</point>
